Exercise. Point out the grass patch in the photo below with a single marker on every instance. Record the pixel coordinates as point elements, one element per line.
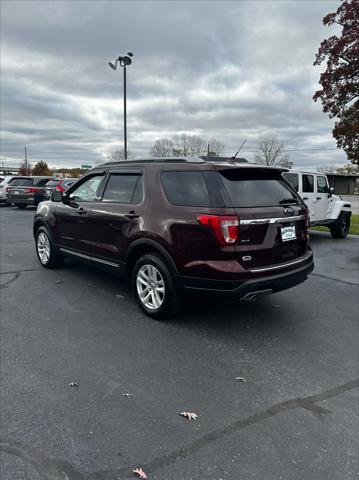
<point>354,226</point>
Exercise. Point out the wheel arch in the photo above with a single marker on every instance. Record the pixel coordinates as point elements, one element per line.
<point>144,246</point>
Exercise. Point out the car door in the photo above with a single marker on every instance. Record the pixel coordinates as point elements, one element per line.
<point>118,216</point>
<point>309,195</point>
<point>72,232</point>
<point>322,199</point>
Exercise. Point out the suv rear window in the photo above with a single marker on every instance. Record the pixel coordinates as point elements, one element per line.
<point>256,188</point>
<point>21,182</point>
<point>186,189</point>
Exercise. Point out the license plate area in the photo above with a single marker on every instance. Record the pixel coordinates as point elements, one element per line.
<point>288,233</point>
<point>16,192</point>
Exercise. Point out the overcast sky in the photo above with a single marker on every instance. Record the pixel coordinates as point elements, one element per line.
<point>230,70</point>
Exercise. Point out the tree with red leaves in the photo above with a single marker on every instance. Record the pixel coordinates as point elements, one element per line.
<point>340,81</point>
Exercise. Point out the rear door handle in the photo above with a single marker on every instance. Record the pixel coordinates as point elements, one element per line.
<point>132,214</point>
<point>81,211</point>
<point>319,198</point>
<point>305,198</point>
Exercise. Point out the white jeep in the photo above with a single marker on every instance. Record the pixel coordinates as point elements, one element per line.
<point>325,209</point>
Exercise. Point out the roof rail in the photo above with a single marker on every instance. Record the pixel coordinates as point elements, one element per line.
<point>157,160</point>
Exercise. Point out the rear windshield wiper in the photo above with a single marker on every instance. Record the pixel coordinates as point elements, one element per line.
<point>288,200</point>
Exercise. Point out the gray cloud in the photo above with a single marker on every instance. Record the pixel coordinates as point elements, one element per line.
<point>219,69</point>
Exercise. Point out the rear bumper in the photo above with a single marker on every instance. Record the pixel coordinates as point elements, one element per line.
<point>28,200</point>
<point>241,290</point>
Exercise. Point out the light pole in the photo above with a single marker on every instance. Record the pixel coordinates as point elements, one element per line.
<point>123,62</point>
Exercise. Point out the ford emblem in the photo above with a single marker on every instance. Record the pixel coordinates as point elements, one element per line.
<point>289,211</point>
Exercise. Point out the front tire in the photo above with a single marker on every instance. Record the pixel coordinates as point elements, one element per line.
<point>155,288</point>
<point>21,205</point>
<point>340,228</point>
<point>46,250</point>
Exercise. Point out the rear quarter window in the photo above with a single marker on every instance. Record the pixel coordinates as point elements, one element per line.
<point>187,189</point>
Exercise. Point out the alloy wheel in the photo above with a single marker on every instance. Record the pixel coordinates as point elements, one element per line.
<point>43,247</point>
<point>150,287</point>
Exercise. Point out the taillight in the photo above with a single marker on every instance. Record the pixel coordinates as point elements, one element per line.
<point>8,189</point>
<point>59,187</point>
<point>32,190</point>
<point>225,228</point>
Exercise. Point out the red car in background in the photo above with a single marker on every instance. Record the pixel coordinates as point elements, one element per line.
<point>61,185</point>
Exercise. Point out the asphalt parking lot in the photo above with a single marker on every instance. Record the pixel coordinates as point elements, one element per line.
<point>294,418</point>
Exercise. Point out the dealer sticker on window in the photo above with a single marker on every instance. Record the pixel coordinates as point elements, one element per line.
<point>288,233</point>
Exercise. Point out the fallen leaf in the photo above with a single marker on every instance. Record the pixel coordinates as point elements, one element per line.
<point>189,415</point>
<point>140,473</point>
<point>128,395</point>
<point>73,384</point>
<point>275,306</point>
<point>241,379</point>
<point>58,281</point>
<point>119,296</point>
<point>9,254</point>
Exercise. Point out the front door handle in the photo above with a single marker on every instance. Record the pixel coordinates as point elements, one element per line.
<point>132,214</point>
<point>305,198</point>
<point>81,211</point>
<point>319,198</point>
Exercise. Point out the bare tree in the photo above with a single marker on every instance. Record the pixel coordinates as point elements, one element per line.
<point>348,169</point>
<point>185,145</point>
<point>188,145</point>
<point>215,147</point>
<point>162,148</point>
<point>326,169</point>
<point>270,152</point>
<point>25,166</point>
<point>119,154</point>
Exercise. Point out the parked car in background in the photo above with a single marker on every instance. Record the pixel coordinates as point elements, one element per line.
<point>60,185</point>
<point>24,191</point>
<point>325,209</point>
<point>4,182</point>
<point>180,224</point>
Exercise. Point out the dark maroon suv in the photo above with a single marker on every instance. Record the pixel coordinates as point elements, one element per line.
<point>178,224</point>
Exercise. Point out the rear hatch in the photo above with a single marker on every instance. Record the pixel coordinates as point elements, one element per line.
<point>19,188</point>
<point>273,219</point>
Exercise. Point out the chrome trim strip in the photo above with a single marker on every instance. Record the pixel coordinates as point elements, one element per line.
<point>305,257</point>
<point>88,257</point>
<point>260,221</point>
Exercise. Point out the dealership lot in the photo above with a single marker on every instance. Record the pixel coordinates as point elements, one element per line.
<point>293,418</point>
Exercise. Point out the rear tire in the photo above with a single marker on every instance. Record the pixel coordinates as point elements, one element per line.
<point>155,288</point>
<point>46,250</point>
<point>21,205</point>
<point>340,228</point>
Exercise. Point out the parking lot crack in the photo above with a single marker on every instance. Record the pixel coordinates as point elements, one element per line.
<point>53,469</point>
<point>7,283</point>
<point>334,279</point>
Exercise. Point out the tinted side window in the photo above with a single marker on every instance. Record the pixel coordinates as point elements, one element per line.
<point>293,179</point>
<point>124,188</point>
<point>86,192</point>
<point>308,183</point>
<point>185,189</point>
<point>322,186</point>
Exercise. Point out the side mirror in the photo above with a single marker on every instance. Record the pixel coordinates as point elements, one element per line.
<point>56,196</point>
<point>331,191</point>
